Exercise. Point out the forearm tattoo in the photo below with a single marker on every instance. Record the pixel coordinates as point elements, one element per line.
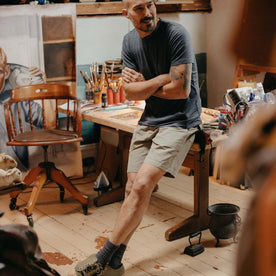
<point>175,75</point>
<point>185,75</point>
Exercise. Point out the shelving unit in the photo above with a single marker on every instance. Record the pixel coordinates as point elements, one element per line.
<point>59,48</point>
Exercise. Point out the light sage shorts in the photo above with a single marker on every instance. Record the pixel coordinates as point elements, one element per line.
<point>164,148</point>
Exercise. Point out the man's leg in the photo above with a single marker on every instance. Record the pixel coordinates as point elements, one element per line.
<point>130,216</point>
<point>135,205</point>
<point>115,262</point>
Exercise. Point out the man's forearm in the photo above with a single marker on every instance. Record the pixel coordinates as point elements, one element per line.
<point>142,90</point>
<point>172,92</point>
<point>180,85</point>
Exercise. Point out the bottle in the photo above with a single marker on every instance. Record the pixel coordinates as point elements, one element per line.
<point>104,100</point>
<point>259,92</point>
<point>269,97</point>
<point>222,122</point>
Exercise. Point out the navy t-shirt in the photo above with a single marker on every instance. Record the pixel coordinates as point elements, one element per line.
<point>168,45</point>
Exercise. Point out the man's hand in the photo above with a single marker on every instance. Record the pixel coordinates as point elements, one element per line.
<point>136,88</point>
<point>130,75</point>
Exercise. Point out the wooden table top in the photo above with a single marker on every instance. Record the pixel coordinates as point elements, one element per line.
<point>126,119</point>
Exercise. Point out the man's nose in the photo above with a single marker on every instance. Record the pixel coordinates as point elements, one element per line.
<point>147,12</point>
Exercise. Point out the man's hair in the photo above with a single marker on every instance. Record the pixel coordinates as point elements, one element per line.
<point>3,56</point>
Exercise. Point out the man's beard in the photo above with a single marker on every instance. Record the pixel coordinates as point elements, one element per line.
<point>150,27</point>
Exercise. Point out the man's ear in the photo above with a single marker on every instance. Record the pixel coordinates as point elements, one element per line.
<point>7,71</point>
<point>125,13</point>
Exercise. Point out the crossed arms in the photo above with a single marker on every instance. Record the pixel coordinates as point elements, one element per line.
<point>174,85</point>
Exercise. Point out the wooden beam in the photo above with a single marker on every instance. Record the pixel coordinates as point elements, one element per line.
<point>97,8</point>
<point>115,8</point>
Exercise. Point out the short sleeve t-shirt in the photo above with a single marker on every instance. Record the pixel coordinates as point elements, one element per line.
<point>168,45</point>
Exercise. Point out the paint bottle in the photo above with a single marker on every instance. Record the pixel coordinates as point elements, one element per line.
<point>269,97</point>
<point>104,100</point>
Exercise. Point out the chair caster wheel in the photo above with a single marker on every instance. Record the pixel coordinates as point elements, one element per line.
<point>85,209</point>
<point>30,220</point>
<point>13,203</point>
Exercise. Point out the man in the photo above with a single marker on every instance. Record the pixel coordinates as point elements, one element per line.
<point>7,82</point>
<point>159,67</point>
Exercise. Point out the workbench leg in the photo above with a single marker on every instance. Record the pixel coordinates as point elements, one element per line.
<point>118,194</point>
<point>200,220</point>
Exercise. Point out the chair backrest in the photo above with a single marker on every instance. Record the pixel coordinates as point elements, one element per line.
<point>29,104</point>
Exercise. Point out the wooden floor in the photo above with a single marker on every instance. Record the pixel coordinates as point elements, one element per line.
<point>67,236</point>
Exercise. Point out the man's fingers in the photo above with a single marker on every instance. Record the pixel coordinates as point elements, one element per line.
<point>130,75</point>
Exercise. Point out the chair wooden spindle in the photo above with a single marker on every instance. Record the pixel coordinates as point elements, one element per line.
<point>74,118</point>
<point>56,107</point>
<point>43,113</point>
<point>19,118</point>
<point>31,116</point>
<point>68,113</point>
<point>11,124</point>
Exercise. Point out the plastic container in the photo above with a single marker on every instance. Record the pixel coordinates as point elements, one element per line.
<point>116,97</point>
<point>109,93</point>
<point>269,97</point>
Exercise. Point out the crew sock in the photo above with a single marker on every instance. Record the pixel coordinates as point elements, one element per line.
<point>116,259</point>
<point>105,254</point>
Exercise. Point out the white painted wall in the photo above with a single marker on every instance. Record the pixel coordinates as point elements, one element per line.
<point>100,38</point>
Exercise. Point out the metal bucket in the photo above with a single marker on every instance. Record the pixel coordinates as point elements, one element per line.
<point>224,222</point>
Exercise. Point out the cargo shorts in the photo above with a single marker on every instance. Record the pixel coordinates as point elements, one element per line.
<point>162,147</point>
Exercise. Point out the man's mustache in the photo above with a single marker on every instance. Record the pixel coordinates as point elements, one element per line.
<point>145,19</point>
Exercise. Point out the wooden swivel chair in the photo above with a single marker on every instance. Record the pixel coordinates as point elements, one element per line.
<point>22,134</point>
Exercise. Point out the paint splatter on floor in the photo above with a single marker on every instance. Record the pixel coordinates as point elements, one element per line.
<point>159,267</point>
<point>56,258</point>
<point>146,226</point>
<point>107,231</point>
<point>165,220</point>
<point>100,241</point>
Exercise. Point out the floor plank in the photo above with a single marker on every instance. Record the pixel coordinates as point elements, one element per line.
<point>67,236</point>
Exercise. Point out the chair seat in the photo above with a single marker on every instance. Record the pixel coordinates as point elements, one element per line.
<point>46,137</point>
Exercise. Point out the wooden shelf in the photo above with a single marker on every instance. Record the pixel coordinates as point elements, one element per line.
<point>115,8</point>
<point>65,78</point>
<point>58,41</point>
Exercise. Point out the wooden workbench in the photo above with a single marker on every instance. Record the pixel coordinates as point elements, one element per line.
<point>124,122</point>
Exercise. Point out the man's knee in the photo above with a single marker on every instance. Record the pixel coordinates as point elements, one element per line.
<point>141,188</point>
<point>128,188</point>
